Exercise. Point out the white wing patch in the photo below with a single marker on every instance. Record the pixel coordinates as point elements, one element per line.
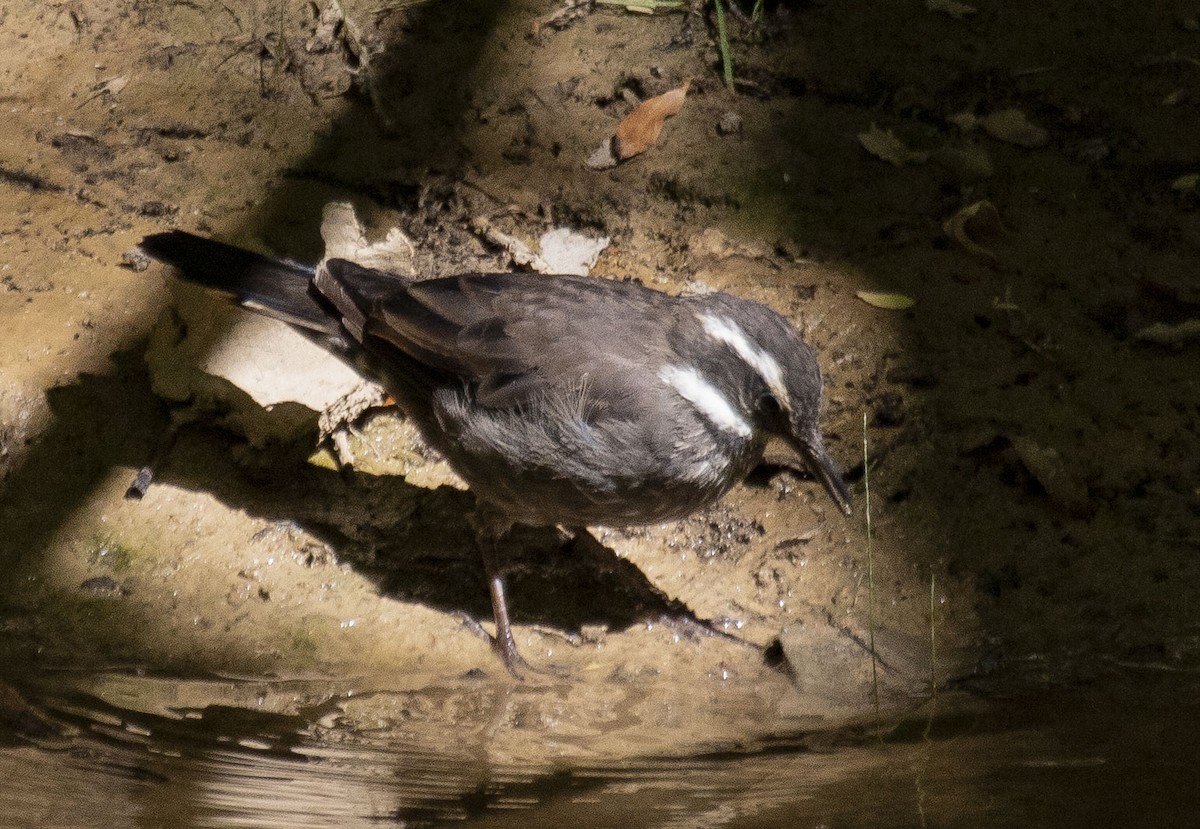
<point>729,332</point>
<point>702,394</point>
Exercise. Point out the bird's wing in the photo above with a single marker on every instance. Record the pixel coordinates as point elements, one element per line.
<point>506,334</point>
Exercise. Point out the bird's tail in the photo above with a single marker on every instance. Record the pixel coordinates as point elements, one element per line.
<point>272,287</point>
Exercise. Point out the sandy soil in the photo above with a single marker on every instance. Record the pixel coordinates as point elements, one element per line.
<point>1033,461</point>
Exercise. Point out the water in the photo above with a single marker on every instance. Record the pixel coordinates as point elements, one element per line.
<point>123,749</point>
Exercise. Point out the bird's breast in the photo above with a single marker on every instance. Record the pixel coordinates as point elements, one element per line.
<point>570,467</point>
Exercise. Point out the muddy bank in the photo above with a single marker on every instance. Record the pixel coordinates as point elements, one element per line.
<point>1032,460</point>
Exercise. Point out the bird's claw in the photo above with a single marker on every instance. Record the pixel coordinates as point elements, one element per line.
<point>504,646</point>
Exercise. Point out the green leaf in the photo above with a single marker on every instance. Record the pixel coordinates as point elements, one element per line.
<point>889,302</point>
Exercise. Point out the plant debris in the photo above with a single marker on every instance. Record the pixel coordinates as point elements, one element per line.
<point>885,145</point>
<point>1161,333</point>
<point>638,130</point>
<point>973,225</point>
<point>887,301</point>
<point>950,7</point>
<point>568,251</point>
<point>1047,466</point>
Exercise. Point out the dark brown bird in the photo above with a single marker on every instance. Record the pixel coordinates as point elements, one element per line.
<point>560,400</point>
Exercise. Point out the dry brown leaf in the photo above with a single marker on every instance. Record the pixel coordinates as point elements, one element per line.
<point>1051,471</point>
<point>885,145</point>
<point>1162,333</point>
<point>973,224</point>
<point>1187,184</point>
<point>1013,126</point>
<point>955,9</point>
<point>638,131</point>
<point>965,121</point>
<point>1174,98</point>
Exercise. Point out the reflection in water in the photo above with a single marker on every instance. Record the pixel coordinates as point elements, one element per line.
<point>226,754</point>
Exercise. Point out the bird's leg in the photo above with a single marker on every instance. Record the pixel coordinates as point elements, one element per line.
<point>141,484</point>
<point>502,643</point>
<point>490,527</point>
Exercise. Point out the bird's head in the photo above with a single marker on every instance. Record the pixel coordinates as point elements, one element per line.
<point>779,379</point>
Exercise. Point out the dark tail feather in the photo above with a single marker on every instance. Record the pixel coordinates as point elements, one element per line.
<point>269,286</point>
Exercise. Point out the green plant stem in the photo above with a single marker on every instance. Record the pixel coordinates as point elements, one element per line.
<point>723,41</point>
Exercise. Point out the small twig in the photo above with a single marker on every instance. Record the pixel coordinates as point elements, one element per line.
<point>926,736</point>
<point>561,17</point>
<point>737,12</point>
<point>870,573</point>
<point>235,53</point>
<point>1169,58</point>
<point>932,642</point>
<point>645,6</point>
<point>520,252</point>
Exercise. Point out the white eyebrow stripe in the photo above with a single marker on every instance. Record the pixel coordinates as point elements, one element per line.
<point>728,332</point>
<point>692,387</point>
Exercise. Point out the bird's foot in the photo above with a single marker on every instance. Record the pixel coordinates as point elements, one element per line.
<point>504,646</point>
<point>693,629</point>
<point>506,649</point>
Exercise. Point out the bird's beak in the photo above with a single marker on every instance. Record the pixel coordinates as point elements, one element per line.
<point>823,467</point>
